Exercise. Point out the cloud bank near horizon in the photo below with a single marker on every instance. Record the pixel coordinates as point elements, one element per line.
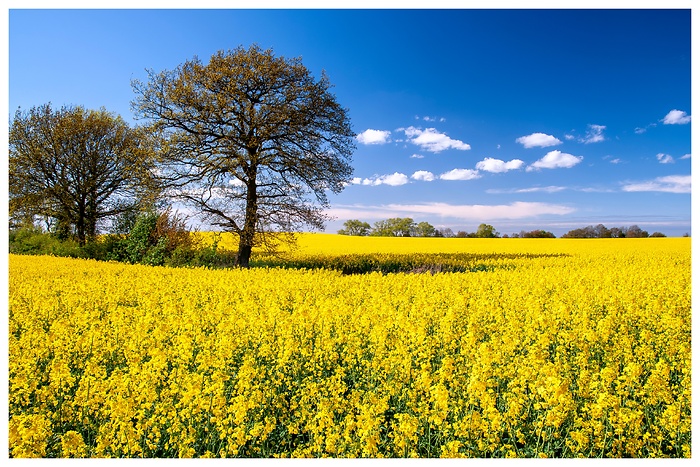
<point>459,212</point>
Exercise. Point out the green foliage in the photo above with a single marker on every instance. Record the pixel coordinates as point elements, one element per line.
<point>355,227</point>
<point>424,229</point>
<point>486,231</point>
<point>406,227</point>
<point>31,240</point>
<point>140,242</point>
<point>394,227</point>
<point>153,239</point>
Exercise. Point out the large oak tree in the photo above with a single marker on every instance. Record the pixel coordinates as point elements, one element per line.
<point>76,167</point>
<point>252,141</point>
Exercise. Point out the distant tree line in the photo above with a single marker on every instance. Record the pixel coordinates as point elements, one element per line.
<point>406,227</point>
<point>531,234</point>
<point>600,231</point>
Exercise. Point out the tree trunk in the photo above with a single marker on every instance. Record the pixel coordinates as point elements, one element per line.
<point>247,235</point>
<point>80,225</point>
<point>243,258</point>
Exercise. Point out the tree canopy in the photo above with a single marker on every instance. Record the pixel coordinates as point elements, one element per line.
<point>252,141</point>
<point>394,227</point>
<point>75,167</point>
<point>355,227</point>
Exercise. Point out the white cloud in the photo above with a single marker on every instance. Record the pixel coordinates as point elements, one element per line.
<point>538,140</point>
<point>428,118</point>
<point>463,212</point>
<point>612,160</point>
<point>687,156</point>
<point>535,189</point>
<point>664,158</point>
<point>669,184</point>
<point>594,189</point>
<point>546,189</point>
<point>423,175</point>
<point>417,156</point>
<point>432,140</point>
<point>394,179</point>
<point>496,165</point>
<point>555,160</point>
<point>676,117</point>
<point>370,136</point>
<point>640,130</point>
<point>460,174</point>
<point>594,134</point>
<point>569,137</point>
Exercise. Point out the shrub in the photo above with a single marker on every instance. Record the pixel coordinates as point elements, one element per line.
<point>31,240</point>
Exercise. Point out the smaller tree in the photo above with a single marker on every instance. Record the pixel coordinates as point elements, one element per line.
<point>394,227</point>
<point>634,231</point>
<point>486,231</point>
<point>537,234</point>
<point>586,232</point>
<point>76,167</point>
<point>355,227</point>
<point>618,232</point>
<point>657,234</point>
<point>424,229</point>
<point>601,231</point>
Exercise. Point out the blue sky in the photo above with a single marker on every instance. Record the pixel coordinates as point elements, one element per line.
<point>523,119</point>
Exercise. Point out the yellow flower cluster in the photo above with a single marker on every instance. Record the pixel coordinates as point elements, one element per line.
<point>584,354</point>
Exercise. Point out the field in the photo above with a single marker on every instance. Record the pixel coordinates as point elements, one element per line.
<point>512,348</point>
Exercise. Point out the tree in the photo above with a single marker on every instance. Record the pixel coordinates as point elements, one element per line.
<point>76,167</point>
<point>601,231</point>
<point>486,231</point>
<point>635,232</point>
<point>585,232</point>
<point>424,229</point>
<point>252,141</point>
<point>394,227</point>
<point>618,232</point>
<point>355,227</point>
<point>537,234</point>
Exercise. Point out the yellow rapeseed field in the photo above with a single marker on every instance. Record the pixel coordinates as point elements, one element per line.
<point>581,348</point>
